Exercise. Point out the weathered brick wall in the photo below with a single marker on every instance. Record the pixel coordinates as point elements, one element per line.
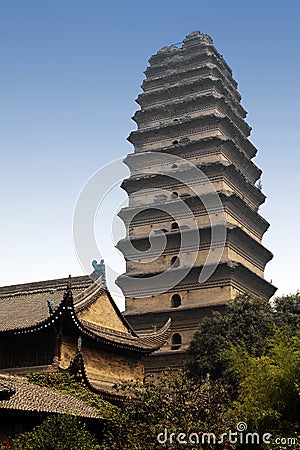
<point>110,368</point>
<point>190,297</point>
<point>102,313</point>
<point>104,366</point>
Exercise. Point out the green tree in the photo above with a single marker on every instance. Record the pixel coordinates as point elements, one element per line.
<point>287,312</point>
<point>57,433</point>
<point>247,321</point>
<point>172,404</point>
<point>269,388</point>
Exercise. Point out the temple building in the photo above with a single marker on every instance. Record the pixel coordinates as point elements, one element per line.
<point>193,180</point>
<point>71,324</point>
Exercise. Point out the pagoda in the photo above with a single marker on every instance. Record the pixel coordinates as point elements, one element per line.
<point>194,233</point>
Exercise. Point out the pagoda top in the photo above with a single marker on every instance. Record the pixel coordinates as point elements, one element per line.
<point>192,42</point>
<point>196,37</point>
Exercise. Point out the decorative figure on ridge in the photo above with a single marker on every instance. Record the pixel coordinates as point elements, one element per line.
<point>99,270</point>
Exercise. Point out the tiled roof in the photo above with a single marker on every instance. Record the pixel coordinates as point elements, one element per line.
<point>130,339</point>
<point>17,393</point>
<point>24,308</point>
<point>144,342</point>
<point>25,305</point>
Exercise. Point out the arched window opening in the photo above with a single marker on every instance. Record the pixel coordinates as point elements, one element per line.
<point>175,142</point>
<point>176,341</point>
<point>174,194</point>
<point>175,301</point>
<point>174,166</point>
<point>174,226</point>
<point>175,262</point>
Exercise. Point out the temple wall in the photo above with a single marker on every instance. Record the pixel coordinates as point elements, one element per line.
<point>67,351</point>
<point>103,366</point>
<point>111,368</point>
<point>102,313</point>
<point>186,336</point>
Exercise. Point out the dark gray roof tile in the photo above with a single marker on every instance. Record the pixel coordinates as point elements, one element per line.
<point>19,394</point>
<point>25,305</point>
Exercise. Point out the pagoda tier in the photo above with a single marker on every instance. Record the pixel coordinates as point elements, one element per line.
<point>239,246</point>
<point>140,221</point>
<point>222,175</point>
<point>210,66</point>
<point>204,151</point>
<point>229,279</point>
<point>191,146</point>
<point>161,116</point>
<point>191,129</point>
<point>209,86</point>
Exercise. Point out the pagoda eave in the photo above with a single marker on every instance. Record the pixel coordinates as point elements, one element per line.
<point>213,172</point>
<point>231,273</point>
<point>216,145</point>
<point>133,248</point>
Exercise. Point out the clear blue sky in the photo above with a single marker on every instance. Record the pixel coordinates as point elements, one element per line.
<point>70,72</point>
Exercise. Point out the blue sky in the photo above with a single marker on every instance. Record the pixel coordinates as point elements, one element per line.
<point>70,72</point>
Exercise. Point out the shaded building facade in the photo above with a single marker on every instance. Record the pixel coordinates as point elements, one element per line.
<point>72,325</point>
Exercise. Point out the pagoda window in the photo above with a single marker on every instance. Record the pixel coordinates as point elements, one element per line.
<point>176,341</point>
<point>174,226</point>
<point>174,194</point>
<point>175,301</point>
<point>175,142</point>
<point>175,262</point>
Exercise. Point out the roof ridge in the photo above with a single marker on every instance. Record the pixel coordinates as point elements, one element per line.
<point>95,326</point>
<point>39,286</point>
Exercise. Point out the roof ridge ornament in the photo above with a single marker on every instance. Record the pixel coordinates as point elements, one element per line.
<point>68,296</point>
<point>99,271</point>
<point>69,284</point>
<point>50,304</point>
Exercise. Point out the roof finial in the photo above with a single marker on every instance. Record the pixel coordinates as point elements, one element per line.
<point>69,284</point>
<point>99,270</point>
<point>50,306</point>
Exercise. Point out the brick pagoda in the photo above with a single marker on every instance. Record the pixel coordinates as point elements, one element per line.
<point>190,109</point>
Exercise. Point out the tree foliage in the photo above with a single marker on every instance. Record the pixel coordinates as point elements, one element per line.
<point>247,321</point>
<point>254,347</point>
<point>171,404</point>
<point>269,386</point>
<point>60,432</point>
<point>287,312</point>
